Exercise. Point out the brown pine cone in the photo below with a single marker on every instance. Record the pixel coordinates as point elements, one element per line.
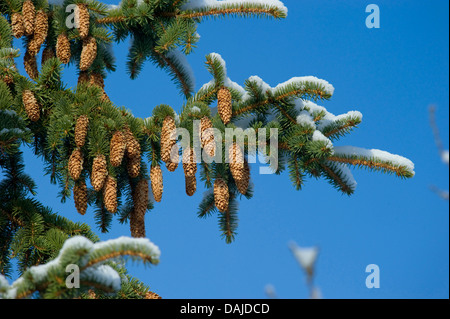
<point>221,195</point>
<point>75,164</point>
<point>243,183</point>
<point>63,48</point>
<point>172,164</point>
<point>83,77</point>
<point>47,54</point>
<point>117,148</point>
<point>83,20</point>
<point>97,80</point>
<point>191,184</point>
<point>88,53</point>
<point>30,65</point>
<point>133,147</point>
<point>140,198</point>
<point>134,166</point>
<point>80,196</point>
<point>28,15</point>
<point>31,105</point>
<point>189,162</point>
<point>156,179</point>
<point>81,128</point>
<point>17,25</point>
<point>137,225</point>
<point>40,32</point>
<point>207,136</point>
<point>236,158</point>
<point>99,172</point>
<point>167,131</point>
<point>224,106</point>
<point>110,194</point>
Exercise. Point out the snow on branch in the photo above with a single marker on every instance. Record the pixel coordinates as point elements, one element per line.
<point>50,279</point>
<point>201,8</point>
<point>374,159</point>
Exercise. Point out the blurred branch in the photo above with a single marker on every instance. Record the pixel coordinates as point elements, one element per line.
<point>443,153</point>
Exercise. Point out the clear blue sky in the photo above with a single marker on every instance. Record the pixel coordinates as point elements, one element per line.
<point>390,75</point>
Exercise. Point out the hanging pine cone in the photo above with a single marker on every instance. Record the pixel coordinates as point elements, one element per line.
<point>224,106</point>
<point>40,32</point>
<point>28,15</point>
<point>80,196</point>
<point>30,65</point>
<point>97,80</point>
<point>236,158</point>
<point>31,105</point>
<point>172,164</point>
<point>83,20</point>
<point>137,225</point>
<point>63,48</point>
<point>88,53</point>
<point>189,162</point>
<point>134,166</point>
<point>207,136</point>
<point>140,203</point>
<point>191,185</point>
<point>110,194</point>
<point>47,54</point>
<point>156,179</point>
<point>167,130</point>
<point>133,147</point>
<point>75,164</point>
<point>221,195</point>
<point>17,25</point>
<point>243,183</point>
<point>99,172</point>
<point>117,148</point>
<point>81,128</point>
<point>83,77</point>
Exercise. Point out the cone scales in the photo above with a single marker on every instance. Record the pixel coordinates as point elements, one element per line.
<point>88,53</point>
<point>110,194</point>
<point>63,48</point>
<point>82,17</point>
<point>28,14</point>
<point>242,184</point>
<point>17,25</point>
<point>30,65</point>
<point>31,105</point>
<point>224,106</point>
<point>47,54</point>
<point>207,136</point>
<point>81,128</point>
<point>190,168</point>
<point>167,131</point>
<point>236,159</point>
<point>117,148</point>
<point>40,32</point>
<point>80,197</point>
<point>75,164</point>
<point>99,172</point>
<point>133,151</point>
<point>140,203</point>
<point>174,159</point>
<point>157,182</point>
<point>221,195</point>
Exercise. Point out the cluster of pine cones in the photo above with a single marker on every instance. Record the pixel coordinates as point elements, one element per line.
<point>33,24</point>
<point>89,48</point>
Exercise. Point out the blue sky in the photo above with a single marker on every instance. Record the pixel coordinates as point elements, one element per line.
<point>391,75</point>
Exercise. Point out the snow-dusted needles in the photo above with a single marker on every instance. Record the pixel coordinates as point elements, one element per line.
<point>80,264</point>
